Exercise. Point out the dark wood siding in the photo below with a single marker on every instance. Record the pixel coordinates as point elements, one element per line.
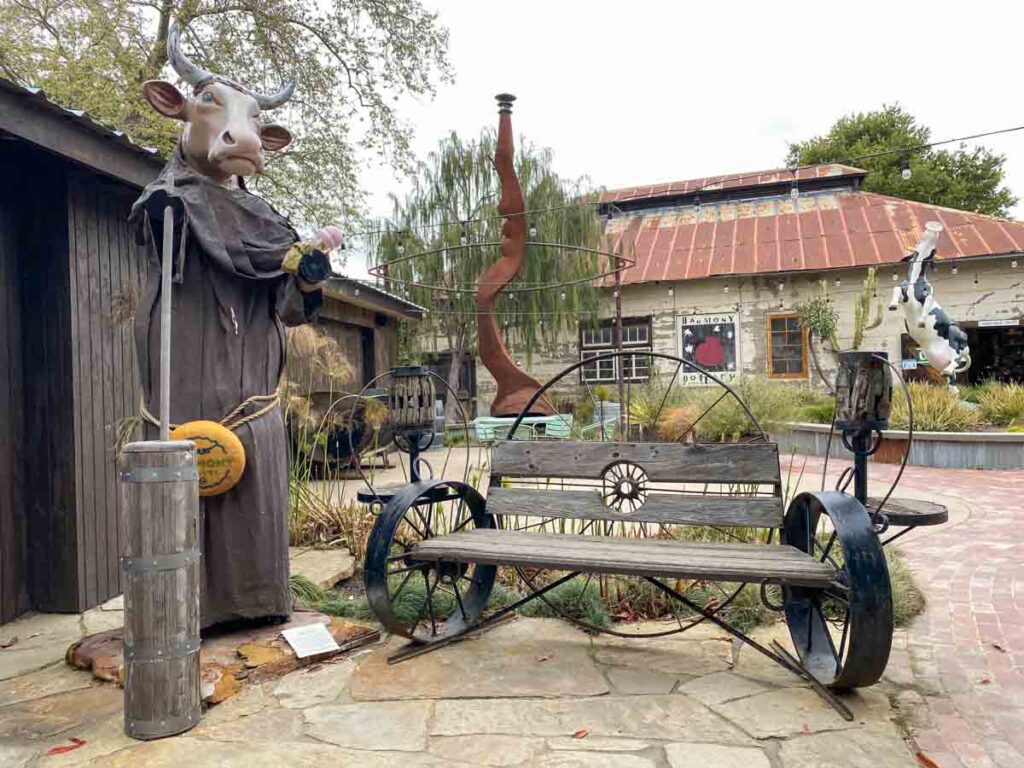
<point>13,577</point>
<point>50,492</point>
<point>106,271</point>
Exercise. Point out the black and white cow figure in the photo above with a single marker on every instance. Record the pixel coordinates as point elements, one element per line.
<point>942,340</point>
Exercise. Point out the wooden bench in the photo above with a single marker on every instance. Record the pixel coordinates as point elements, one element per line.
<point>622,509</point>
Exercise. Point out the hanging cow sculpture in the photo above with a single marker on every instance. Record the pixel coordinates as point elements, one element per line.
<point>233,295</point>
<point>942,340</point>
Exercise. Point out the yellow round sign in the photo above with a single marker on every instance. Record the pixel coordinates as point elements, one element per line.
<point>220,456</point>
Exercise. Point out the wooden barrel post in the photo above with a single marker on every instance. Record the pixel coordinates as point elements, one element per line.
<point>161,564</point>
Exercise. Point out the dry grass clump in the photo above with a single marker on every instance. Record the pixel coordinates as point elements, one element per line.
<point>677,422</point>
<point>1002,404</point>
<point>936,409</point>
<point>319,352</point>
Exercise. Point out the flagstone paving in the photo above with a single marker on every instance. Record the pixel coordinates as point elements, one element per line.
<point>533,692</point>
<point>536,692</point>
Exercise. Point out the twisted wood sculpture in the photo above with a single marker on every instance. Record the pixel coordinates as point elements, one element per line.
<point>515,386</point>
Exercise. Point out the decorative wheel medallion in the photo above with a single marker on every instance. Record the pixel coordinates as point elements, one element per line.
<point>624,487</point>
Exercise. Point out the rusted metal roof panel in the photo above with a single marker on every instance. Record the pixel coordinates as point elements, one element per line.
<point>732,182</point>
<point>820,230</point>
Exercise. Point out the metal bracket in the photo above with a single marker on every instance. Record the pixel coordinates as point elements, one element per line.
<point>150,563</point>
<point>160,474</point>
<point>161,653</point>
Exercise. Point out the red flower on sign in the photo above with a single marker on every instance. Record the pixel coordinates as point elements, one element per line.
<point>710,352</point>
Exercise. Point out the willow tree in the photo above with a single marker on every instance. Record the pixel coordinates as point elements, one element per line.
<point>351,59</point>
<point>444,234</point>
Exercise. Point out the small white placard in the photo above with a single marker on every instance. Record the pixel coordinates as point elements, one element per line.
<point>310,640</point>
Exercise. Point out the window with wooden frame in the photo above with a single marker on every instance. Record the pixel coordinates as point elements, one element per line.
<point>598,339</point>
<point>787,347</point>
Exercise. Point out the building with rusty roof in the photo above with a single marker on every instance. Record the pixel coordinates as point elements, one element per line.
<point>735,255</point>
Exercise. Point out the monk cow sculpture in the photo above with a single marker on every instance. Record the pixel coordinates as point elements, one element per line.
<point>231,301</point>
<point>942,340</point>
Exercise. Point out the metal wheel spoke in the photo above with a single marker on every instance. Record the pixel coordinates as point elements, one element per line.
<point>419,567</point>
<point>430,604</point>
<point>458,598</point>
<point>668,389</point>
<point>402,585</point>
<point>842,640</point>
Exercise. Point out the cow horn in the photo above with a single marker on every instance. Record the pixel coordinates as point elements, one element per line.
<point>196,76</point>
<point>274,100</point>
<point>188,71</point>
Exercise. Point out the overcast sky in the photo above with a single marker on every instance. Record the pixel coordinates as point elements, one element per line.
<point>642,92</point>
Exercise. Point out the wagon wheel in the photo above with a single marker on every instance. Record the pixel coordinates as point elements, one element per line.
<point>426,601</point>
<point>625,486</point>
<point>842,633</point>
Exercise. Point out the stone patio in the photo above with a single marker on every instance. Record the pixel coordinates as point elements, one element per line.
<point>531,692</point>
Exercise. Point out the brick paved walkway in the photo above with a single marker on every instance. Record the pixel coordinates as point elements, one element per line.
<point>965,653</point>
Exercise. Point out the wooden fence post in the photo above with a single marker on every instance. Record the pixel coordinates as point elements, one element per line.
<point>162,571</point>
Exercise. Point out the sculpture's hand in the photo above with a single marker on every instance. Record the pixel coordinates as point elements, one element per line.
<point>314,268</point>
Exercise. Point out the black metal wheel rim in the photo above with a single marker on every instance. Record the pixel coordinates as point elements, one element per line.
<point>421,511</point>
<point>843,633</point>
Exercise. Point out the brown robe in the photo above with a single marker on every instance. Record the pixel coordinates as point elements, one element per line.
<point>230,305</point>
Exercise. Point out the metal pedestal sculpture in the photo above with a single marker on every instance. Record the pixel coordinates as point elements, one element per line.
<point>515,386</point>
<point>863,403</point>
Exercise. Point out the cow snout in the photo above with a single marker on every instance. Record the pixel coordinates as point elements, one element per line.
<point>237,151</point>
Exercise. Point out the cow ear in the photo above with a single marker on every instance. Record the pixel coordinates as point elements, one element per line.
<point>275,137</point>
<point>165,99</point>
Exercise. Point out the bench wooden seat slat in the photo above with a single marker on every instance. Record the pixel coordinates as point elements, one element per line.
<point>668,508</point>
<point>629,557</point>
<point>672,462</point>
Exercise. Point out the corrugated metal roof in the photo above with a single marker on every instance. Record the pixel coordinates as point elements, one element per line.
<point>818,230</point>
<point>732,182</point>
<point>38,97</point>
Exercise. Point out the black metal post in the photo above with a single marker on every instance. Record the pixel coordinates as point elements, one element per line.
<point>861,444</point>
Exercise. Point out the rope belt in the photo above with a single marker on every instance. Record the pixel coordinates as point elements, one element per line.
<point>232,421</point>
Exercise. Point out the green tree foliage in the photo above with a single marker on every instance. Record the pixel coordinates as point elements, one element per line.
<point>351,59</point>
<point>454,199</point>
<point>970,180</point>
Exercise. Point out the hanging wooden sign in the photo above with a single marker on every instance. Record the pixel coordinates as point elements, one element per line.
<point>220,456</point>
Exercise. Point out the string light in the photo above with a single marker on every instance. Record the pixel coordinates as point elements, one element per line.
<point>838,282</point>
<point>1013,264</point>
<point>955,270</point>
<point>905,171</point>
<point>794,191</point>
<point>462,234</point>
<point>671,292</point>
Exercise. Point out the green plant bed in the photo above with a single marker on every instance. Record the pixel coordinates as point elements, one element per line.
<point>603,601</point>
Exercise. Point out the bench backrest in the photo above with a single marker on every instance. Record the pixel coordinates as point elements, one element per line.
<point>703,484</point>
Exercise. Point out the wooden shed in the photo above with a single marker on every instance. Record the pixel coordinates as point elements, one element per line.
<point>70,275</point>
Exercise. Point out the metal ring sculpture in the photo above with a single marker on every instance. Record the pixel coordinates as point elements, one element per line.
<point>626,490</point>
<point>842,633</point>
<point>616,263</point>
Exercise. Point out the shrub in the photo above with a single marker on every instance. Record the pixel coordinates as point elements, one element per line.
<point>1001,404</point>
<point>771,403</point>
<point>936,409</point>
<point>579,598</point>
<point>817,413</point>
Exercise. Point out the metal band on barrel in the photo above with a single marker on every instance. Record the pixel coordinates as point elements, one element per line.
<point>172,651</point>
<point>160,474</point>
<point>151,563</point>
<point>167,726</point>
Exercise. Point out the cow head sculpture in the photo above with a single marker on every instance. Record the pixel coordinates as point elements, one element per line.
<point>223,136</point>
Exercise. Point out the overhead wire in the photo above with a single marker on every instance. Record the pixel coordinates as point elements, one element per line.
<point>712,182</point>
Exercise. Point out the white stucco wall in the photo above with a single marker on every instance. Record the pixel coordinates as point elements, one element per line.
<point>983,289</point>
